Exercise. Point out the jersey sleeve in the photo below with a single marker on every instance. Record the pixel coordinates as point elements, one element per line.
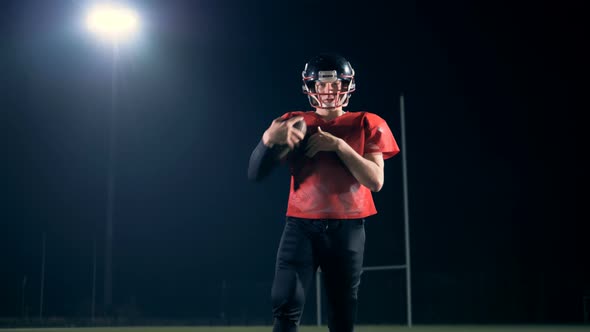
<point>378,137</point>
<point>292,114</point>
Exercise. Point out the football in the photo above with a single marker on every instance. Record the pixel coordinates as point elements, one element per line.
<point>283,149</point>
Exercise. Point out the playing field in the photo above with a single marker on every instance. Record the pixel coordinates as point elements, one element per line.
<point>433,328</point>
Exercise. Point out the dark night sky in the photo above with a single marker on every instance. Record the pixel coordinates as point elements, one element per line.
<point>492,134</point>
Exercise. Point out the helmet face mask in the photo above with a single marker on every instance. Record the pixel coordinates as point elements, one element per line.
<point>328,81</point>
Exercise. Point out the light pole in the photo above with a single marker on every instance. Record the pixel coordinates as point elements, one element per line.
<point>114,24</point>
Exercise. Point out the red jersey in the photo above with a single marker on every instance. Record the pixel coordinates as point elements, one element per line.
<point>322,187</point>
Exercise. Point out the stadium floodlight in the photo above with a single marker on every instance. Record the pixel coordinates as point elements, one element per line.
<point>112,21</point>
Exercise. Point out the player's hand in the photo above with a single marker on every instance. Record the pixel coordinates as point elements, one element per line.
<point>321,141</point>
<point>282,132</point>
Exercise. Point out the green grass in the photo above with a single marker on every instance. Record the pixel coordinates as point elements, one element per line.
<point>362,328</point>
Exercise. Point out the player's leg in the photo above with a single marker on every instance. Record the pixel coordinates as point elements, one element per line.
<point>295,267</point>
<point>342,263</point>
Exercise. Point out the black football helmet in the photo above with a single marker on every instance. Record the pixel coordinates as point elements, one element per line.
<point>328,68</point>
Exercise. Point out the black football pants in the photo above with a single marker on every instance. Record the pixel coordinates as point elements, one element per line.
<point>337,247</point>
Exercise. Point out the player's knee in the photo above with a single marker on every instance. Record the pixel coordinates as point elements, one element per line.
<point>288,297</point>
<point>292,297</point>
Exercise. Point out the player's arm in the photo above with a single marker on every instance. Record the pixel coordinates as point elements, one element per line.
<point>264,158</point>
<point>262,162</point>
<point>368,170</point>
